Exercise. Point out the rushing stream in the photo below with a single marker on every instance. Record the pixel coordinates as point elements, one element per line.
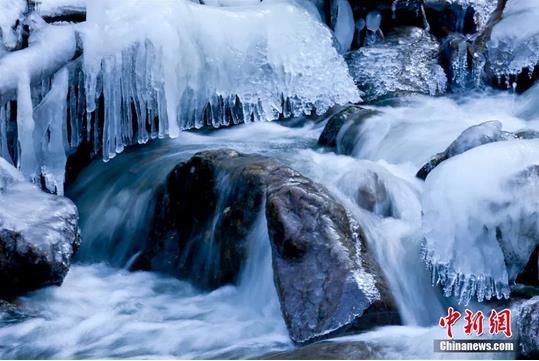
<point>104,311</point>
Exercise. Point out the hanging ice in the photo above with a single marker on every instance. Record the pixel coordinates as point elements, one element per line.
<point>191,65</point>
<point>482,9</point>
<point>514,44</point>
<point>480,218</point>
<point>343,24</point>
<point>373,20</point>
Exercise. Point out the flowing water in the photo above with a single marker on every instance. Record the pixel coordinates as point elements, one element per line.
<point>104,311</point>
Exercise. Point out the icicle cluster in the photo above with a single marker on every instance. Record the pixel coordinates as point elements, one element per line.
<point>480,218</point>
<point>189,66</point>
<point>514,44</point>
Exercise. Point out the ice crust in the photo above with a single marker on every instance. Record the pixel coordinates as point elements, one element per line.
<point>214,67</point>
<point>480,215</point>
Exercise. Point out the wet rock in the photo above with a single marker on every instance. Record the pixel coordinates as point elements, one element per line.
<point>351,113</point>
<point>474,136</point>
<point>528,329</point>
<point>404,62</point>
<point>317,244</point>
<point>326,280</point>
<point>204,213</point>
<point>39,235</point>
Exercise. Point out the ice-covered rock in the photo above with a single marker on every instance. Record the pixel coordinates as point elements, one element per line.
<point>191,65</point>
<point>480,218</point>
<point>11,11</point>
<point>528,328</point>
<point>474,136</point>
<point>326,279</point>
<point>514,44</point>
<point>38,234</point>
<point>405,62</point>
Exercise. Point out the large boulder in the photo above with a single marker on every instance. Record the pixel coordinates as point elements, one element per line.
<point>39,234</point>
<point>404,62</point>
<point>326,279</point>
<point>528,328</point>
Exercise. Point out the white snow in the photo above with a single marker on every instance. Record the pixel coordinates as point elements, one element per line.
<point>479,214</point>
<point>192,65</point>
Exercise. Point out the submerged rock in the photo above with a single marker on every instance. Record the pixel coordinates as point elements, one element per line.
<point>404,62</point>
<point>336,121</point>
<point>39,235</point>
<point>326,280</point>
<point>528,329</point>
<point>330,350</point>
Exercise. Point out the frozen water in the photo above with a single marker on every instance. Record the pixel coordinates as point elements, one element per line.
<point>514,43</point>
<point>10,12</point>
<point>404,62</point>
<point>59,7</point>
<point>480,218</point>
<point>373,20</point>
<point>215,67</point>
<point>344,25</point>
<point>482,8</point>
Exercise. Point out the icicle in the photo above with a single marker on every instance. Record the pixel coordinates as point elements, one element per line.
<point>26,160</point>
<point>50,134</point>
<point>4,122</point>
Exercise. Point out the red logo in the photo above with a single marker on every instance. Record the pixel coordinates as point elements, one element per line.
<point>498,321</point>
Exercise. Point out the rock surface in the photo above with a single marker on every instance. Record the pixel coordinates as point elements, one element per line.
<point>326,280</point>
<point>405,62</point>
<point>528,328</point>
<point>39,235</point>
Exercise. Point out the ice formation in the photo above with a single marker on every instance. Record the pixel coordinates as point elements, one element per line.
<point>480,218</point>
<point>482,9</point>
<point>344,25</point>
<point>215,66</point>
<point>152,75</point>
<point>60,7</point>
<point>10,12</point>
<point>405,62</point>
<point>514,44</point>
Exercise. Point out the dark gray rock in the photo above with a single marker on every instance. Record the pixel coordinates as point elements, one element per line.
<point>351,113</point>
<point>326,279</point>
<point>404,62</point>
<point>528,329</point>
<point>39,235</point>
<point>474,136</point>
